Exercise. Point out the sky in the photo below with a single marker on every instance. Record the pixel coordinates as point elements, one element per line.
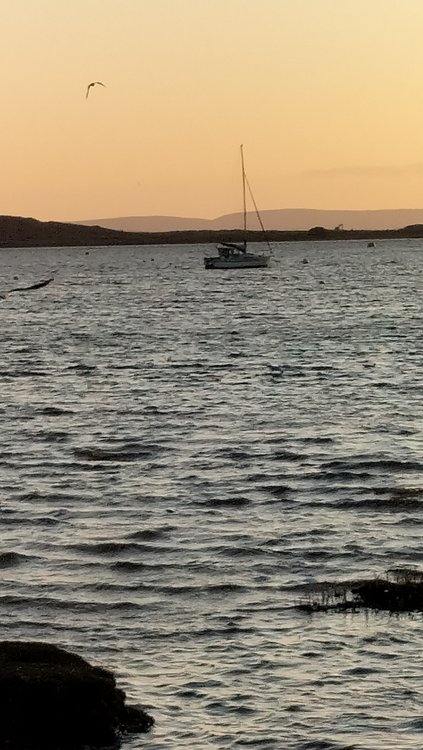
<point>325,95</point>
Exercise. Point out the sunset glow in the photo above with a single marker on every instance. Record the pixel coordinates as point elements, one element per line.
<point>324,94</point>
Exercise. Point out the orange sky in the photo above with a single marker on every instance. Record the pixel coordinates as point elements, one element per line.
<point>326,96</point>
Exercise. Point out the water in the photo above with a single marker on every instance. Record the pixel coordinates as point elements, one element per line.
<point>184,451</point>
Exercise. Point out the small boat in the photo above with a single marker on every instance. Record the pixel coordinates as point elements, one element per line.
<point>232,255</point>
<point>235,254</point>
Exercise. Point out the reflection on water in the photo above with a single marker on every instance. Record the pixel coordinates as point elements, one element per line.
<point>183,450</point>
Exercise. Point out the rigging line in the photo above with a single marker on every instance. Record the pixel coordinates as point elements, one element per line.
<point>258,214</point>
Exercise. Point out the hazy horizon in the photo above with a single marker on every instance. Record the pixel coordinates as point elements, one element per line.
<point>295,219</point>
<point>324,96</point>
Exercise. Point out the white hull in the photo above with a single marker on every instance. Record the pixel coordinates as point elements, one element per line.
<point>245,260</point>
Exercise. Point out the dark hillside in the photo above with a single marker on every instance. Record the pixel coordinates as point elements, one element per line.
<point>17,232</point>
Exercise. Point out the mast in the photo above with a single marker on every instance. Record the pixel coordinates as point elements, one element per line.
<point>244,201</point>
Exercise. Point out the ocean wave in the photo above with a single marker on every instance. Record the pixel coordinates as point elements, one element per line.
<point>126,452</point>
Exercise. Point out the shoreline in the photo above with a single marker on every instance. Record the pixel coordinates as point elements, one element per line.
<point>18,232</point>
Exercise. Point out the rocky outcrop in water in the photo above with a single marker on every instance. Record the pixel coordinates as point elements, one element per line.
<point>400,590</point>
<point>55,700</point>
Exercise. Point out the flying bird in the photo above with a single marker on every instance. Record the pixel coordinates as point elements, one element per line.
<point>38,285</point>
<point>94,83</point>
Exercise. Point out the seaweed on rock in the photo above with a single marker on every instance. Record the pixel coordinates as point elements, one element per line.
<point>400,590</point>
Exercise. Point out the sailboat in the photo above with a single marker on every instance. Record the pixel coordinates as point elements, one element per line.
<point>235,254</point>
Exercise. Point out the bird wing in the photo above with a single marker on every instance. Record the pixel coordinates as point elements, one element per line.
<point>38,285</point>
<point>94,83</point>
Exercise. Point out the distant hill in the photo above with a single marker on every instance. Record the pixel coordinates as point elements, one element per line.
<point>286,219</point>
<point>150,224</point>
<point>18,232</point>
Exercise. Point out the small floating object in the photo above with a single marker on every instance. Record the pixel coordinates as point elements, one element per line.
<point>38,285</point>
<point>305,261</point>
<point>370,244</point>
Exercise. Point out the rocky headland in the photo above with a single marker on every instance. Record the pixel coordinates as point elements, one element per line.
<point>55,700</point>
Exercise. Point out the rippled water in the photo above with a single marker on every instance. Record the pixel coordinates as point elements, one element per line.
<point>183,451</point>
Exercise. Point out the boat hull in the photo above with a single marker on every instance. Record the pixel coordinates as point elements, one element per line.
<point>247,260</point>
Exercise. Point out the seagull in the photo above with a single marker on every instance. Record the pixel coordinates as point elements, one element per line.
<point>94,83</point>
<point>38,285</point>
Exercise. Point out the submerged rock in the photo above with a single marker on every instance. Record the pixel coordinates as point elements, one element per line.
<point>55,700</point>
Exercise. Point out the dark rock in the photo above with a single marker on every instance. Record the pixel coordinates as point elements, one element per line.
<point>400,590</point>
<point>55,700</point>
<point>394,596</point>
<point>319,233</point>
